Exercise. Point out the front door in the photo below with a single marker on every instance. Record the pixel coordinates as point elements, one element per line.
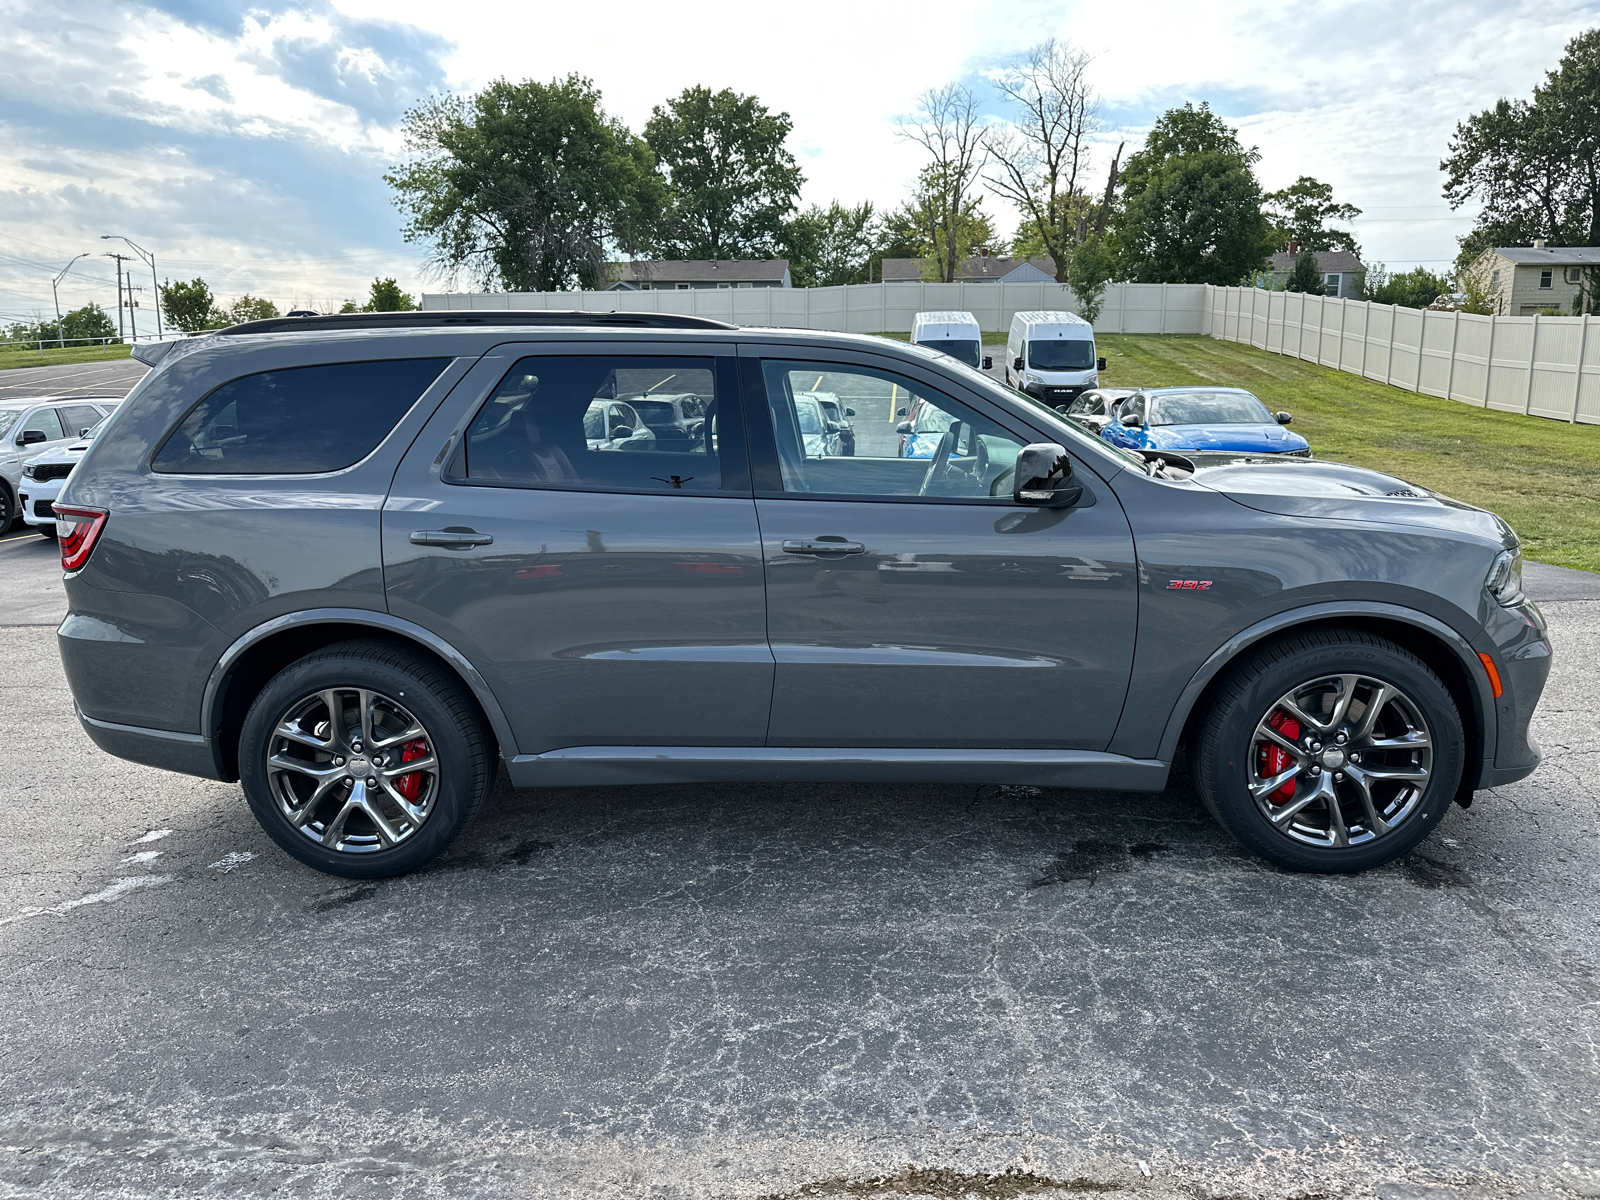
<point>910,601</point>
<point>607,583</point>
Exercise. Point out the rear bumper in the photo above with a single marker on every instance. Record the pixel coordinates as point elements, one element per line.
<point>187,753</point>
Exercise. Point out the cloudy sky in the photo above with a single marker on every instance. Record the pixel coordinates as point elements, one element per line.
<point>245,142</point>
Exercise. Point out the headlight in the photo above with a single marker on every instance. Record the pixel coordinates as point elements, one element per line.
<point>27,472</point>
<point>1505,577</point>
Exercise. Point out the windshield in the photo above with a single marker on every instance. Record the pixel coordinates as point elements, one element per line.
<point>655,412</point>
<point>1061,354</point>
<point>969,352</point>
<point>8,417</point>
<point>1209,408</point>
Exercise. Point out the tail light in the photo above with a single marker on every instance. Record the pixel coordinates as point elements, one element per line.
<point>77,530</point>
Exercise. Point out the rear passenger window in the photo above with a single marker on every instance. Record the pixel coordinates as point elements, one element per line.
<point>79,417</point>
<point>297,421</point>
<point>598,424</point>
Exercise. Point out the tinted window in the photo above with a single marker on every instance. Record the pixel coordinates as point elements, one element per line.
<point>910,440</point>
<point>79,417</point>
<point>297,421</point>
<point>1060,354</point>
<point>598,424</point>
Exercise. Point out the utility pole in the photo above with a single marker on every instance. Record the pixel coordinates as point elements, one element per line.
<point>121,258</point>
<point>151,260</point>
<point>60,336</point>
<point>133,318</point>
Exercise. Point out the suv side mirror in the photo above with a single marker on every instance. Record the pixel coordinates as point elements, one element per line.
<point>1132,421</point>
<point>1017,366</point>
<point>1284,418</point>
<point>988,361</point>
<point>622,431</point>
<point>849,412</point>
<point>1099,364</point>
<point>899,412</point>
<point>32,437</point>
<point>1044,477</point>
<point>903,427</point>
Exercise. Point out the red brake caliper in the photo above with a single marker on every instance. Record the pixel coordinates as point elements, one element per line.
<point>410,786</point>
<point>1274,759</point>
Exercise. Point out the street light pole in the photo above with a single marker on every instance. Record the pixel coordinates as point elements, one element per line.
<point>61,339</point>
<point>149,258</point>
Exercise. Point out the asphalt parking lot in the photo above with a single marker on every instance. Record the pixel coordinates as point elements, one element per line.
<point>776,991</point>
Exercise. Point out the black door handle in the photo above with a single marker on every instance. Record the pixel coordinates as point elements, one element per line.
<point>822,545</point>
<point>451,539</point>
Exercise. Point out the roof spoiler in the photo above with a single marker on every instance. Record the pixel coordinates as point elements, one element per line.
<point>150,353</point>
<point>446,318</point>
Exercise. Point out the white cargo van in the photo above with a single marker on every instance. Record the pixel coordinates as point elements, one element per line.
<point>1050,356</point>
<point>955,333</point>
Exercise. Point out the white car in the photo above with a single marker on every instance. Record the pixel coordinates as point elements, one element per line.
<point>43,477</point>
<point>613,425</point>
<point>36,424</point>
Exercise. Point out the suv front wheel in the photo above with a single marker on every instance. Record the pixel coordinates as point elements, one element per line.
<point>1332,752</point>
<point>364,760</point>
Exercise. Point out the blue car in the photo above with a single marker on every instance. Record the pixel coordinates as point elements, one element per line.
<point>1228,420</point>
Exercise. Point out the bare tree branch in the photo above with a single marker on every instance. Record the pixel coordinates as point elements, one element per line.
<point>947,126</point>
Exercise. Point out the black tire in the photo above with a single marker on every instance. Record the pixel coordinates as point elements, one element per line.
<point>8,509</point>
<point>47,530</point>
<point>462,747</point>
<point>1229,744</point>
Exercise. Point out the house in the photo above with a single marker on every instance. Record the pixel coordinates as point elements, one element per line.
<point>1341,271</point>
<point>982,267</point>
<point>687,274</point>
<point>1523,280</point>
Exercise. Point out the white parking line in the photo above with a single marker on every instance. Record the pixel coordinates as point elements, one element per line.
<point>155,835</point>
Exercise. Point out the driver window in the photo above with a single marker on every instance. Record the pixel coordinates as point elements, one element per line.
<point>905,439</point>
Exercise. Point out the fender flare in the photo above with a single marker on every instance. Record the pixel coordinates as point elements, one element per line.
<point>1285,621</point>
<point>210,709</point>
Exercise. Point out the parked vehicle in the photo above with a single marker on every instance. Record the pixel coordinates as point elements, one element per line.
<point>43,477</point>
<point>1096,408</point>
<point>1051,356</point>
<point>839,417</point>
<point>358,562</point>
<point>819,435</point>
<point>616,425</point>
<point>29,427</point>
<point>1204,419</point>
<point>679,417</point>
<point>957,334</point>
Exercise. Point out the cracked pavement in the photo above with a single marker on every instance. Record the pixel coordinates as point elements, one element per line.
<point>776,991</point>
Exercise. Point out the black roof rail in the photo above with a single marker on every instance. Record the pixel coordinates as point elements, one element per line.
<point>444,318</point>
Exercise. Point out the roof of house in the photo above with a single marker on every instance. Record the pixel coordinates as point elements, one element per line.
<point>1329,262</point>
<point>1551,255</point>
<point>978,268</point>
<point>690,270</point>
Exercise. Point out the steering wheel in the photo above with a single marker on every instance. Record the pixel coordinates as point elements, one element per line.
<point>939,464</point>
<point>980,468</point>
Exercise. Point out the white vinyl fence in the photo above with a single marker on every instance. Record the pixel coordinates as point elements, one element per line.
<point>1543,366</point>
<point>873,307</point>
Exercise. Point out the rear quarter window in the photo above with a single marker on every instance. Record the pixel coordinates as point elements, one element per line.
<point>298,421</point>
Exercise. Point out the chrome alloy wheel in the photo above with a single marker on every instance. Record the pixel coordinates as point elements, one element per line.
<point>352,770</point>
<point>1340,761</point>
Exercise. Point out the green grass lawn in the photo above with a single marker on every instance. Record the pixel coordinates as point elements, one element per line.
<point>10,358</point>
<point>1542,476</point>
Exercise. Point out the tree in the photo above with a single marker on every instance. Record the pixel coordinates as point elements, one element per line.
<point>1042,161</point>
<point>191,306</point>
<point>251,308</point>
<point>732,183</point>
<point>1191,205</point>
<point>525,185</point>
<point>946,125</point>
<point>830,246</point>
<point>1300,213</point>
<point>1416,288</point>
<point>1305,277</point>
<point>387,297</point>
<point>90,321</point>
<point>1534,165</point>
<point>1087,275</point>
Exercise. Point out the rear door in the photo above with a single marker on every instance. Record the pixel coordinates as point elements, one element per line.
<point>911,602</point>
<point>608,587</point>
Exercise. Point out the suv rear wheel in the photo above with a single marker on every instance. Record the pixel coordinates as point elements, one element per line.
<point>1331,752</point>
<point>363,760</point>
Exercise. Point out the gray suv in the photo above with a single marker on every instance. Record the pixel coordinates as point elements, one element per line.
<point>358,563</point>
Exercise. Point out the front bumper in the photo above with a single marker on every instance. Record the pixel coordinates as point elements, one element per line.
<point>36,501</point>
<point>1522,655</point>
